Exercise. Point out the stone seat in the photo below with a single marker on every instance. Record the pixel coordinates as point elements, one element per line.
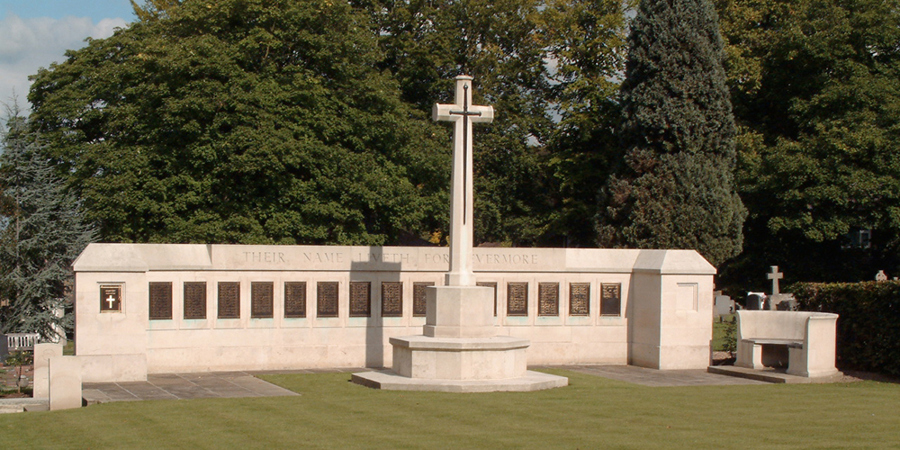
<point>790,343</point>
<point>803,342</point>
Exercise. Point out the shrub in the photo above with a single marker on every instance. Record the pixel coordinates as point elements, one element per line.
<point>868,330</point>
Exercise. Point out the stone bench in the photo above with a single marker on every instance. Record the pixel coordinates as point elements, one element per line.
<point>801,342</point>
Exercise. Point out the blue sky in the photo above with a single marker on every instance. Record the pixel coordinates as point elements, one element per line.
<point>58,9</point>
<point>36,33</point>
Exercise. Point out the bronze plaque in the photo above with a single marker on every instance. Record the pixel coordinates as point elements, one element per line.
<point>517,299</point>
<point>391,299</point>
<point>229,306</point>
<point>493,285</point>
<point>327,299</point>
<point>194,299</point>
<point>160,300</point>
<point>611,299</point>
<point>360,299</point>
<point>419,303</point>
<point>295,299</point>
<point>579,299</point>
<point>262,299</point>
<point>111,297</point>
<point>548,299</point>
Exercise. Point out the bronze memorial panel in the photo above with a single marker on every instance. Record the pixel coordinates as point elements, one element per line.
<point>419,305</point>
<point>229,304</point>
<point>391,299</point>
<point>194,299</point>
<point>111,298</point>
<point>579,299</point>
<point>548,299</point>
<point>327,299</point>
<point>360,299</point>
<point>160,300</point>
<point>262,299</point>
<point>517,299</point>
<point>295,299</point>
<point>611,299</point>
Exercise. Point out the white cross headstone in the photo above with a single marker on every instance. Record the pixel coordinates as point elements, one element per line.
<point>775,275</point>
<point>463,114</point>
<point>111,300</point>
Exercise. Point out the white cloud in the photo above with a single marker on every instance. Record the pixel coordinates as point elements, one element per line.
<point>29,44</point>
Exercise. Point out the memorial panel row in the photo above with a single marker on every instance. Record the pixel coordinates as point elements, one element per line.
<point>262,299</point>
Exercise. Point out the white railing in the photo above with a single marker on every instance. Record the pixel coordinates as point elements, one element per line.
<point>17,341</point>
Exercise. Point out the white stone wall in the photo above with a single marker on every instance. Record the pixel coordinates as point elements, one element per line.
<point>665,321</point>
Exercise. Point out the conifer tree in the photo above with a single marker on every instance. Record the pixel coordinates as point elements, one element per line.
<point>675,187</point>
<point>42,233</point>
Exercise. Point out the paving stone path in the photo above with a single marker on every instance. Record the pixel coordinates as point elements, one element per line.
<point>653,377</point>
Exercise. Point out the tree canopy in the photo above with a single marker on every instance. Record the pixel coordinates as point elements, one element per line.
<point>816,93</point>
<point>243,121</point>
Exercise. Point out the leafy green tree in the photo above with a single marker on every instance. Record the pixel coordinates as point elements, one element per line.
<point>816,92</point>
<point>243,121</point>
<point>42,236</point>
<point>675,188</point>
<point>501,43</point>
<point>586,39</point>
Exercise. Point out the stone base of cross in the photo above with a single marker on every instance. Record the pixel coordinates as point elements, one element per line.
<point>463,114</point>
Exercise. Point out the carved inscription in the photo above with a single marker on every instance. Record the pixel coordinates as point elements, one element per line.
<point>229,303</point>
<point>492,285</point>
<point>160,300</point>
<point>295,299</point>
<point>265,257</point>
<point>360,299</point>
<point>391,299</point>
<point>611,299</point>
<point>327,299</point>
<point>194,299</point>
<point>517,299</point>
<point>548,299</point>
<point>111,298</point>
<point>382,257</point>
<point>505,259</point>
<point>579,299</point>
<point>262,294</point>
<point>419,304</point>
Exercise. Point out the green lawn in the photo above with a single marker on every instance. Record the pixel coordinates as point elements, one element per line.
<point>591,413</point>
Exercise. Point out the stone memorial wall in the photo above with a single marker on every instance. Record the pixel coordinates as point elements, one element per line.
<point>193,308</point>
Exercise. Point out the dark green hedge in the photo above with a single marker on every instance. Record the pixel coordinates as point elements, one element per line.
<point>868,330</point>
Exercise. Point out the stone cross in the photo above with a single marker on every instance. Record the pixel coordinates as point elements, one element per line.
<point>775,275</point>
<point>463,114</point>
<point>111,300</point>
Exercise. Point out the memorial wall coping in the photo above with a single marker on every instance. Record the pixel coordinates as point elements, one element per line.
<point>194,257</point>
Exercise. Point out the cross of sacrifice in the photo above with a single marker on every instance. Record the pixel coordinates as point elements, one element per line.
<point>774,275</point>
<point>463,114</point>
<point>110,300</point>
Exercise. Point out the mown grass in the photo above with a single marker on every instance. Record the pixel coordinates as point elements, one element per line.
<point>592,412</point>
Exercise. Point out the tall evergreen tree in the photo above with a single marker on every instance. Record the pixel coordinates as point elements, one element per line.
<point>675,188</point>
<point>43,235</point>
